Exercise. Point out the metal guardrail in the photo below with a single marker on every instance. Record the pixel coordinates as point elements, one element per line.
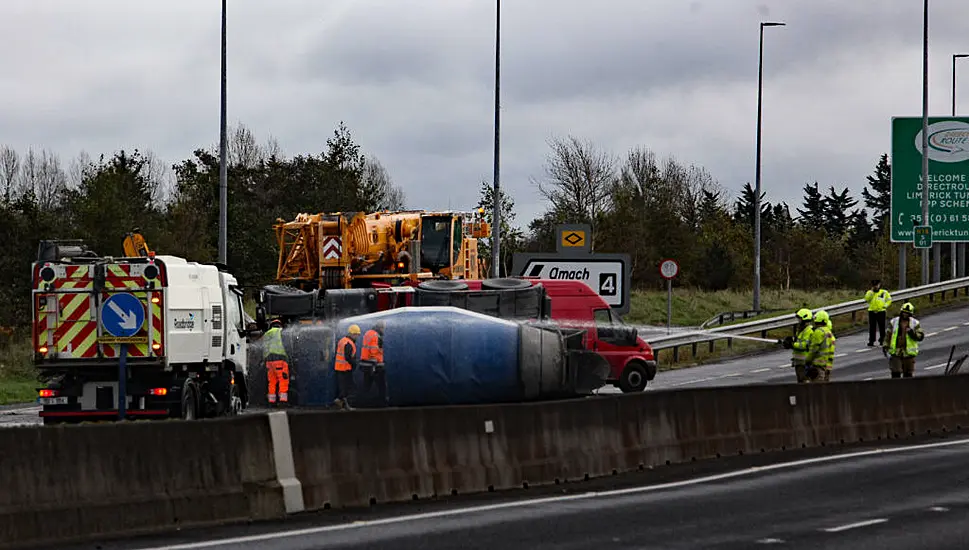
<point>731,316</point>
<point>762,326</point>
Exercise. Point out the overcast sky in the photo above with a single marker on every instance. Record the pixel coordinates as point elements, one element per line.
<point>413,80</point>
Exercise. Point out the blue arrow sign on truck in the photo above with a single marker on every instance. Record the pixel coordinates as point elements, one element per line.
<point>122,315</point>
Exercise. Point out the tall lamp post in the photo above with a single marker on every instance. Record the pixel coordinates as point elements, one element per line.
<point>760,94</point>
<point>925,134</point>
<point>958,249</point>
<point>496,215</point>
<point>223,171</point>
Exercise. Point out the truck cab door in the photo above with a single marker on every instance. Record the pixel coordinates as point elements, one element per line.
<point>235,335</point>
<point>613,339</point>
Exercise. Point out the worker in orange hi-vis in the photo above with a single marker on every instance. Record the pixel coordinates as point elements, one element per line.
<point>346,360</point>
<point>277,362</point>
<point>372,361</point>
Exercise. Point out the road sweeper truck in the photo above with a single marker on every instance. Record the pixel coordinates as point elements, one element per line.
<point>152,336</point>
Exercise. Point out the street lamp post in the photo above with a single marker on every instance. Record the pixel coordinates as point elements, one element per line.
<point>958,249</point>
<point>496,215</point>
<point>223,171</point>
<point>760,94</point>
<point>925,135</point>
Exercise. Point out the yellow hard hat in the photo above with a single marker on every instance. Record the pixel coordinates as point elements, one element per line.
<point>354,329</point>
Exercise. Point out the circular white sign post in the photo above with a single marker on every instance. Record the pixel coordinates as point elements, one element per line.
<point>668,269</point>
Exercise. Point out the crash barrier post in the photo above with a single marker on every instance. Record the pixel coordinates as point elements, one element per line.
<point>63,484</point>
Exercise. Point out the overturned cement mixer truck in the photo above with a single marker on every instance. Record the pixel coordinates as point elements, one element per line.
<point>500,347</point>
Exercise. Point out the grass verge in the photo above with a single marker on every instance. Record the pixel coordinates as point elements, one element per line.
<point>689,356</point>
<point>18,379</point>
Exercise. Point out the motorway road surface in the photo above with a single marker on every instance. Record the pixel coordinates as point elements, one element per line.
<point>853,359</point>
<point>884,498</point>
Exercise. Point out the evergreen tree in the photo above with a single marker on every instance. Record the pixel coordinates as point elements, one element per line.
<point>838,212</point>
<point>880,197</point>
<point>812,215</point>
<point>744,208</point>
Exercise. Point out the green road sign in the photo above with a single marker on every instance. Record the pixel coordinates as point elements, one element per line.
<point>923,236</point>
<point>948,179</point>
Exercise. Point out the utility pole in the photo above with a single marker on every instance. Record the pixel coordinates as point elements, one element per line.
<point>496,216</point>
<point>757,192</point>
<point>223,169</point>
<point>925,135</point>
<point>958,249</point>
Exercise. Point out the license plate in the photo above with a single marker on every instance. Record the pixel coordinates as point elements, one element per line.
<point>52,400</point>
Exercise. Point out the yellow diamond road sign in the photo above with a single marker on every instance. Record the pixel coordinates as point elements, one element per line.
<point>573,239</point>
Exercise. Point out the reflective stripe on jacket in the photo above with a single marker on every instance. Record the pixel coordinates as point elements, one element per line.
<point>272,343</point>
<point>342,362</point>
<point>371,347</point>
<point>801,343</point>
<point>911,344</point>
<point>821,348</point>
<point>878,301</point>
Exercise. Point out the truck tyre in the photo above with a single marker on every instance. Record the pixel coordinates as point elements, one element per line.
<point>189,408</point>
<point>443,286</point>
<point>505,283</point>
<point>633,378</point>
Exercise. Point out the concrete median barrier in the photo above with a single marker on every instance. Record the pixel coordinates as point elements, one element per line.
<point>72,483</point>
<point>81,482</point>
<point>363,457</point>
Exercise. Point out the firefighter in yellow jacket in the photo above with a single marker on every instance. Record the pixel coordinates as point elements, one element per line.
<point>799,344</point>
<point>820,353</point>
<point>902,342</point>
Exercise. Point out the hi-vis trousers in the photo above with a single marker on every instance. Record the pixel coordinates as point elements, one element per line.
<point>278,370</point>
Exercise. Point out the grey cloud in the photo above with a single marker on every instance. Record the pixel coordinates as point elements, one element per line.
<point>413,80</point>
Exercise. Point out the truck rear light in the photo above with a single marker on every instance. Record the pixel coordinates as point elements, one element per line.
<point>400,265</point>
<point>158,391</point>
<point>156,346</point>
<point>42,349</point>
<point>155,299</point>
<point>47,393</point>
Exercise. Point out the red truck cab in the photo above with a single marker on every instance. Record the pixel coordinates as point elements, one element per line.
<point>576,305</point>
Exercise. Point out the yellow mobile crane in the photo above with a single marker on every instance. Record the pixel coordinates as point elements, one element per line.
<point>354,249</point>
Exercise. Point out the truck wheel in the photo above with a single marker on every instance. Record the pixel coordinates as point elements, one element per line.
<point>633,378</point>
<point>189,409</point>
<point>505,283</point>
<point>443,286</point>
<point>232,406</point>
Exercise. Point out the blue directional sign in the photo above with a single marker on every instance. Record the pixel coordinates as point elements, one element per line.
<point>122,315</point>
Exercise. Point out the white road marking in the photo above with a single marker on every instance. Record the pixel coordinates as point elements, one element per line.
<point>933,367</point>
<point>732,374</point>
<point>965,324</point>
<point>555,499</point>
<point>949,328</point>
<point>932,334</point>
<point>784,366</point>
<point>938,509</point>
<point>770,541</point>
<point>866,523</point>
<point>863,350</point>
<point>869,378</point>
<point>841,355</point>
<point>761,370</point>
<point>22,411</point>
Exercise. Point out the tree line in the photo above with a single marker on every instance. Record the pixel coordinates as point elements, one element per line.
<point>176,208</point>
<point>655,208</point>
<point>638,203</point>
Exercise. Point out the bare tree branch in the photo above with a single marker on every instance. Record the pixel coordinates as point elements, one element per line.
<point>9,172</point>
<point>579,180</point>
